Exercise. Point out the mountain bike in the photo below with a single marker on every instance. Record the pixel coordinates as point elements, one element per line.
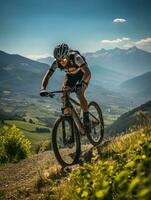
<point>69,127</point>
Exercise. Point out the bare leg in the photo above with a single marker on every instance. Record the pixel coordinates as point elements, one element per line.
<point>84,106</point>
<point>63,97</point>
<point>82,99</point>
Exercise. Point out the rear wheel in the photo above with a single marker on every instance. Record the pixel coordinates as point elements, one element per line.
<point>66,141</point>
<point>96,134</point>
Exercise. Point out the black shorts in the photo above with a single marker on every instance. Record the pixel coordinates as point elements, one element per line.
<point>72,79</point>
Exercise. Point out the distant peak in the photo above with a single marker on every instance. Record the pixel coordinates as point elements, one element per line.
<point>101,51</point>
<point>135,49</point>
<point>117,48</point>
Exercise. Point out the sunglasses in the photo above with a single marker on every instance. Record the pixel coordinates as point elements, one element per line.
<point>62,60</point>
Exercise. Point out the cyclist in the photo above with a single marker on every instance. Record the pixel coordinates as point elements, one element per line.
<point>77,75</point>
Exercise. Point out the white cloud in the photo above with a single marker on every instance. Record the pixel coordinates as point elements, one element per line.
<point>144,41</point>
<point>36,57</point>
<point>116,41</point>
<point>119,20</point>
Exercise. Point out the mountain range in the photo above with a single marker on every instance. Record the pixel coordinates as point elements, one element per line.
<point>113,66</point>
<point>110,69</point>
<point>129,62</point>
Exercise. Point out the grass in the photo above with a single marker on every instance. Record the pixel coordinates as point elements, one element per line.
<point>120,170</point>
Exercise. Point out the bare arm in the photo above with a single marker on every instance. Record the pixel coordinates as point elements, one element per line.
<point>47,76</point>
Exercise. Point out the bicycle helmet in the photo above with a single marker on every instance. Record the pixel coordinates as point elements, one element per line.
<point>61,51</point>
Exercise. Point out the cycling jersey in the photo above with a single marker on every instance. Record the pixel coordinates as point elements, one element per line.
<point>76,61</point>
<point>73,69</point>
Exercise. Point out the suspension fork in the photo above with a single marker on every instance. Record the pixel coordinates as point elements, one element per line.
<point>71,124</point>
<point>65,104</point>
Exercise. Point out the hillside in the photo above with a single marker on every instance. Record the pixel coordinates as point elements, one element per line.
<point>114,170</point>
<point>107,78</point>
<point>14,61</point>
<point>120,170</point>
<point>133,119</point>
<point>138,86</point>
<point>20,74</point>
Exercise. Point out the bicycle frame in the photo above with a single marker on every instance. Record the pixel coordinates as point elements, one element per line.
<point>73,111</point>
<point>75,115</point>
<point>76,103</point>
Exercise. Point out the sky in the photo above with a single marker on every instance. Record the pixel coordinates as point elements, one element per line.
<point>33,28</point>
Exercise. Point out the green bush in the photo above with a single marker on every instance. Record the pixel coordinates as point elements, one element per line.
<point>13,145</point>
<point>121,175</point>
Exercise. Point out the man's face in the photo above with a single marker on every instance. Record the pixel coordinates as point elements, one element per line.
<point>63,62</point>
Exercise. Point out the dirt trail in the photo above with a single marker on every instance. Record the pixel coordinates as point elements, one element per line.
<point>16,176</point>
<point>22,176</point>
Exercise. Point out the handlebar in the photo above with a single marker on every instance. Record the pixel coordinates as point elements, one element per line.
<point>52,94</point>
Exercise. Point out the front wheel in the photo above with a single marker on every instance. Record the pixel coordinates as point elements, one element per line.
<point>66,141</point>
<point>96,134</point>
